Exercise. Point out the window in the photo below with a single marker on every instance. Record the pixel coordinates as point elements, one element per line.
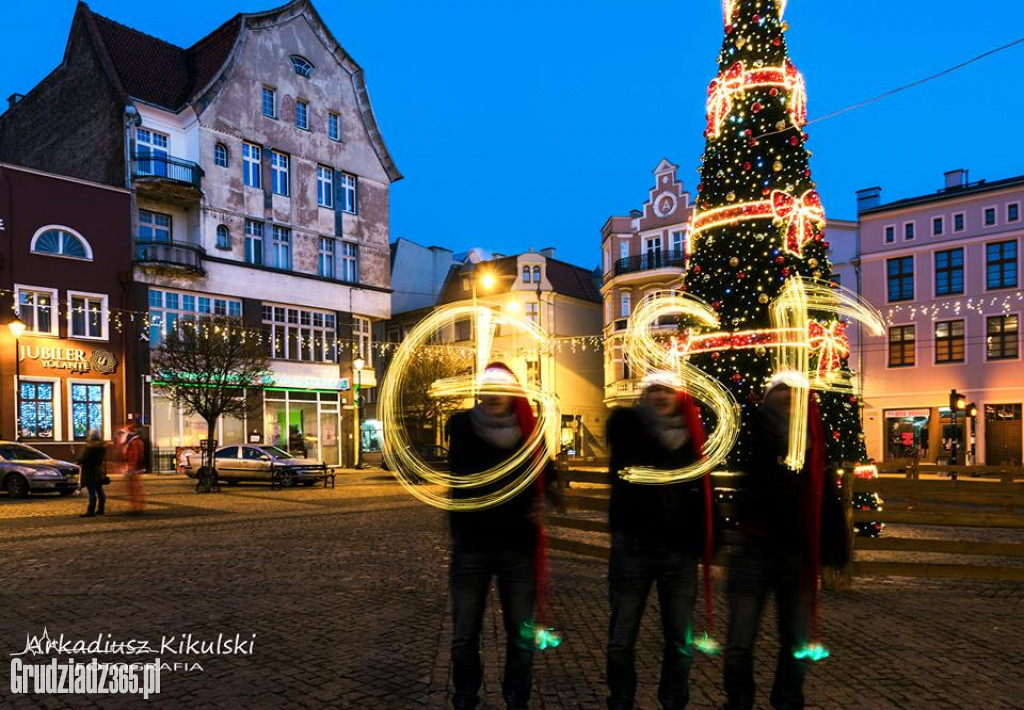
<point>949,272</point>
<point>526,274</point>
<point>300,334</point>
<point>949,341</point>
<point>36,408</point>
<point>624,304</point>
<point>251,165</point>
<point>325,260</point>
<point>1001,337</point>
<point>223,237</point>
<point>836,279</point>
<point>532,310</point>
<point>958,222</point>
<point>279,173</point>
<point>55,240</point>
<point>168,308</point>
<point>281,248</point>
<point>230,452</point>
<point>901,346</point>
<point>1001,265</point>
<point>334,126</point>
<point>154,226</point>
<point>37,309</point>
<point>347,184</point>
<point>302,66</point>
<point>623,249</point>
<point>220,155</point>
<point>361,335</point>
<point>990,216</point>
<point>151,150</point>
<point>86,410</point>
<point>463,329</point>
<point>937,226</point>
<point>349,262</point>
<point>536,274</point>
<point>302,114</point>
<point>269,102</point>
<point>87,315</point>
<point>901,278</point>
<point>253,242</point>
<point>890,234</point>
<point>678,244</point>
<point>324,186</point>
<point>908,231</point>
<point>1013,212</point>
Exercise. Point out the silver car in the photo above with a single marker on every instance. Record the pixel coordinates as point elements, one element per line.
<point>262,464</point>
<point>25,470</point>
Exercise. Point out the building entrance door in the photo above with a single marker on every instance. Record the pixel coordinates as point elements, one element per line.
<point>1002,434</point>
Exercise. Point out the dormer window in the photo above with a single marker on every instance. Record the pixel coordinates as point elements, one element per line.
<point>55,240</point>
<point>303,67</point>
<point>526,274</point>
<point>536,274</point>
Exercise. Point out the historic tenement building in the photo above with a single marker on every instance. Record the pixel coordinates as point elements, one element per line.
<point>259,186</point>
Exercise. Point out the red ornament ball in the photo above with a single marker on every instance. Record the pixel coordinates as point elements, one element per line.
<point>748,133</point>
<point>836,434</point>
<point>700,186</point>
<point>780,259</point>
<point>827,245</point>
<point>748,165</point>
<point>776,41</point>
<point>716,304</point>
<point>696,269</point>
<point>774,92</point>
<point>752,142</point>
<point>785,271</point>
<point>757,18</point>
<point>807,173</point>
<point>737,377</point>
<point>756,108</point>
<point>794,141</point>
<point>766,191</point>
<point>741,275</point>
<point>716,355</point>
<point>728,29</point>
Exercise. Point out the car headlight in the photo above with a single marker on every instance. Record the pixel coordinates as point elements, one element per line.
<point>45,473</point>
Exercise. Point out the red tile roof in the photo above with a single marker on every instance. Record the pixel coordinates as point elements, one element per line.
<point>161,73</point>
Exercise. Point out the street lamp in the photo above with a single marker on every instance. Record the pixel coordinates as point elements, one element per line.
<point>357,401</point>
<point>17,330</point>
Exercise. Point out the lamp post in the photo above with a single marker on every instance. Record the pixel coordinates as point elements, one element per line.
<point>357,402</point>
<point>17,330</point>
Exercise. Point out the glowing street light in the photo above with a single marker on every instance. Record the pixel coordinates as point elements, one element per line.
<point>17,330</point>
<point>358,364</point>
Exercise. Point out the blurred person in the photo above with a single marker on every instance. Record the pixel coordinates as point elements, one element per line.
<point>94,476</point>
<point>134,451</point>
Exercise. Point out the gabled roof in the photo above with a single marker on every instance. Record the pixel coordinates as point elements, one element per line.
<point>565,278</point>
<point>949,193</point>
<point>158,72</point>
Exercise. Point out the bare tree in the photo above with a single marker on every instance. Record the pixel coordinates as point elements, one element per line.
<point>420,411</point>
<point>205,368</point>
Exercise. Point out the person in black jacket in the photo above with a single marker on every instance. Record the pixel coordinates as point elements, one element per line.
<point>659,532</point>
<point>91,460</point>
<point>780,527</point>
<point>500,541</point>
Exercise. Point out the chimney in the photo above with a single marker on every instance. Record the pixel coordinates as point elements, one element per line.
<point>636,214</point>
<point>868,198</point>
<point>956,178</point>
<point>13,99</point>
<point>548,252</point>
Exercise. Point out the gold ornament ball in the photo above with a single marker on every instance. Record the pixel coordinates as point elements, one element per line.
<point>760,350</point>
<point>812,262</point>
<point>816,274</point>
<point>781,125</point>
<point>763,298</point>
<point>734,262</point>
<point>731,197</point>
<point>777,166</point>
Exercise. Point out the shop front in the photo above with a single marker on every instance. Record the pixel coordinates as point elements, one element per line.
<point>907,434</point>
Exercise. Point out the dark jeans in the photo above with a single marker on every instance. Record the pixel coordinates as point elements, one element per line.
<point>471,572</point>
<point>96,493</point>
<point>633,568</point>
<point>757,567</point>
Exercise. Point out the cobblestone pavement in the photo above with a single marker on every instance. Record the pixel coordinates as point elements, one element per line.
<point>345,591</point>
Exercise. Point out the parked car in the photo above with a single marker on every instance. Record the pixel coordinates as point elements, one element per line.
<point>25,470</point>
<point>258,464</point>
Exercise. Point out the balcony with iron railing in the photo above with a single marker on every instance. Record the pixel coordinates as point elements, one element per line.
<point>623,390</point>
<point>673,258</point>
<point>166,178</point>
<point>180,257</point>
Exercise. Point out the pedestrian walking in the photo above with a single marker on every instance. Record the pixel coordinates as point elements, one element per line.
<point>504,541</point>
<point>134,450</point>
<point>94,475</point>
<point>659,532</point>
<point>779,510</point>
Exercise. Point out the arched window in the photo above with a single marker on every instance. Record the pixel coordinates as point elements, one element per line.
<point>302,66</point>
<point>526,274</point>
<point>536,274</point>
<point>56,240</point>
<point>223,237</point>
<point>220,155</point>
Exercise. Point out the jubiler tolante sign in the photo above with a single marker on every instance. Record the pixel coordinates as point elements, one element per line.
<point>67,358</point>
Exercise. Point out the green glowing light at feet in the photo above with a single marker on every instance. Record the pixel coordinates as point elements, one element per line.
<point>544,637</point>
<point>811,652</point>
<point>708,645</point>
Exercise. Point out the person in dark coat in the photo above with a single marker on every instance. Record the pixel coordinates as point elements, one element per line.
<point>779,510</point>
<point>501,541</point>
<point>93,473</point>
<point>659,532</point>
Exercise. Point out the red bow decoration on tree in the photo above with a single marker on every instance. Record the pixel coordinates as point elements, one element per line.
<point>797,95</point>
<point>830,343</point>
<point>720,96</point>
<point>801,214</point>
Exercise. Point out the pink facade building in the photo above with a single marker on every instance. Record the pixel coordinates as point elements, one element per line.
<point>944,270</point>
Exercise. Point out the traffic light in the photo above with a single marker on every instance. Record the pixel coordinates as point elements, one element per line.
<point>957,402</point>
<point>972,410</point>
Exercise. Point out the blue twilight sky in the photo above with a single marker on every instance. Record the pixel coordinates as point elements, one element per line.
<point>528,123</point>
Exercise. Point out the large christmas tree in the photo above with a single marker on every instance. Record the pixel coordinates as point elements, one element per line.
<point>759,220</point>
